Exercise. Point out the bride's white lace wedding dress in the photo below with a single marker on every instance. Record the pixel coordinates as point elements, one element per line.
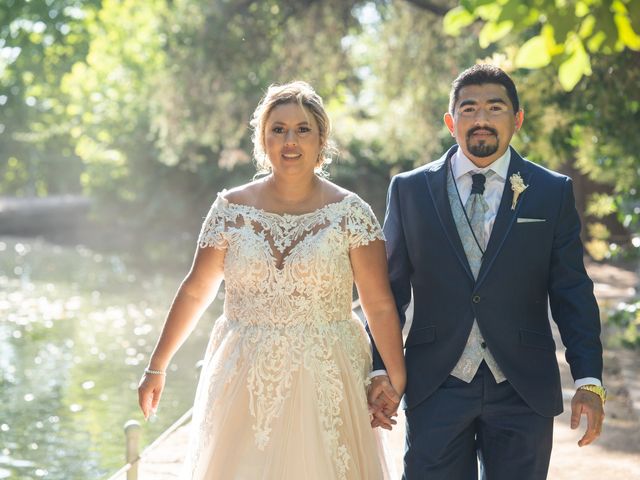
<point>282,389</point>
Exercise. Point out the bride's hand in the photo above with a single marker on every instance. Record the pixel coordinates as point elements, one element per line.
<point>149,393</point>
<point>383,402</point>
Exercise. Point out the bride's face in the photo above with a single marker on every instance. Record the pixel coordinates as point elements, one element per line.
<point>292,139</point>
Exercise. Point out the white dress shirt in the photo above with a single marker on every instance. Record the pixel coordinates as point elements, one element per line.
<point>463,169</point>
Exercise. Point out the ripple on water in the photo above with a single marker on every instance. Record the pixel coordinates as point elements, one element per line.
<point>15,462</point>
<point>80,333</point>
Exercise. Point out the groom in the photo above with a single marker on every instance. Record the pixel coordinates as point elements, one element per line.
<point>485,241</point>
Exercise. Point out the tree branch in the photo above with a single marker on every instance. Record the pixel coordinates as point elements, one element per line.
<point>439,10</point>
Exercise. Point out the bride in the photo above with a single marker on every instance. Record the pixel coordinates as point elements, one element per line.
<point>282,392</point>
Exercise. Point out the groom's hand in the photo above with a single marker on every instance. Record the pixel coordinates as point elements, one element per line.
<point>589,404</point>
<point>383,402</point>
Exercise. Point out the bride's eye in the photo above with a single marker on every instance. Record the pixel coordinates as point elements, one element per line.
<point>304,130</point>
<point>277,130</point>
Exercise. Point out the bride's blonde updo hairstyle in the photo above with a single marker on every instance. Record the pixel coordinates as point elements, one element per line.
<point>294,92</point>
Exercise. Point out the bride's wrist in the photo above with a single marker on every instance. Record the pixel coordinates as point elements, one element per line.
<point>152,371</point>
<point>156,367</point>
<point>398,382</point>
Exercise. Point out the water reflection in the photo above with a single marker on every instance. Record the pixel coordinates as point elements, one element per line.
<point>76,328</point>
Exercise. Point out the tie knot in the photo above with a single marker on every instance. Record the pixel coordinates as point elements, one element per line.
<point>478,183</point>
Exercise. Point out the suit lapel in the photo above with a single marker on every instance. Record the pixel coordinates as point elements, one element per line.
<point>505,217</point>
<point>437,184</point>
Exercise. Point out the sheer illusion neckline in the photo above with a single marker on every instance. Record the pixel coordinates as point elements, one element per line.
<point>284,215</point>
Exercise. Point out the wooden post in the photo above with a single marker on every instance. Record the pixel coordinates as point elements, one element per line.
<point>132,434</point>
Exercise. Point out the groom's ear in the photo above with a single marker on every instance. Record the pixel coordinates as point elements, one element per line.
<point>448,121</point>
<point>519,119</point>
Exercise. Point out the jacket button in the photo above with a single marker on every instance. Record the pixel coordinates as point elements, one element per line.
<point>483,345</point>
<point>476,299</point>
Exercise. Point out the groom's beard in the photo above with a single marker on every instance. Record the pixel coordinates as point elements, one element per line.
<point>482,149</point>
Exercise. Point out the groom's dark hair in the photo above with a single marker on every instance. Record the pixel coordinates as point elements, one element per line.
<point>479,75</point>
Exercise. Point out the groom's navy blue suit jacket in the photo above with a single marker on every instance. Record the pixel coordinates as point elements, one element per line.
<point>526,265</point>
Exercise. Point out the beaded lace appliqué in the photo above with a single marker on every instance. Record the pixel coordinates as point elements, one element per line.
<point>288,284</point>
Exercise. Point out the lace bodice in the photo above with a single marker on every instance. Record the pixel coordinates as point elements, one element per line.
<point>288,298</point>
<point>288,269</point>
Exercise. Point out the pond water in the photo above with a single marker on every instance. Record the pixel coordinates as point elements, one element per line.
<point>76,330</point>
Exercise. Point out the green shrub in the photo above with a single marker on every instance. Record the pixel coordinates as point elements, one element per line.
<point>626,317</point>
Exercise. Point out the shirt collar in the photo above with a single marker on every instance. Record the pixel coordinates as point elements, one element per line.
<point>462,165</point>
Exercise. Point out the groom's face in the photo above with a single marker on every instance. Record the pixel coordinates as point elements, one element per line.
<point>483,122</point>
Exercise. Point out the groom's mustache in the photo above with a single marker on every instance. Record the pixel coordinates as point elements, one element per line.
<point>486,129</point>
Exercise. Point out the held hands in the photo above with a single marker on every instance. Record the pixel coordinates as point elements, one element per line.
<point>149,393</point>
<point>589,404</point>
<point>384,400</point>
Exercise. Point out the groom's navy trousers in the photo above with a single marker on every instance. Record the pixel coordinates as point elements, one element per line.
<point>533,259</point>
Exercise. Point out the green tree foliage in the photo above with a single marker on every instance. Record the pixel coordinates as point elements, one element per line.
<point>406,64</point>
<point>108,93</point>
<point>563,33</point>
<point>159,108</point>
<point>626,318</point>
<point>590,134</point>
<point>589,131</point>
<point>39,42</point>
<point>223,55</point>
<point>606,140</point>
<point>384,69</point>
<point>145,105</point>
<point>114,99</point>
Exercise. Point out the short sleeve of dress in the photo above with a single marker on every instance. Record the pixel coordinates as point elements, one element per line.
<point>212,233</point>
<point>361,224</point>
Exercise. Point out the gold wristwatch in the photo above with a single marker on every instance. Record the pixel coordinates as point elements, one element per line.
<point>598,390</point>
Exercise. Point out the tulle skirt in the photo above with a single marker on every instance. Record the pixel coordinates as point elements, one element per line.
<point>285,404</point>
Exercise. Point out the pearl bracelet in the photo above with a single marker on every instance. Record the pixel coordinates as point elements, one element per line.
<point>154,372</point>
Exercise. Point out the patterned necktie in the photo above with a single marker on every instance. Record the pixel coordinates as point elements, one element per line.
<point>475,350</point>
<point>476,208</point>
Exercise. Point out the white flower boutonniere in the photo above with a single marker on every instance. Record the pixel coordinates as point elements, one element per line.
<point>518,186</point>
